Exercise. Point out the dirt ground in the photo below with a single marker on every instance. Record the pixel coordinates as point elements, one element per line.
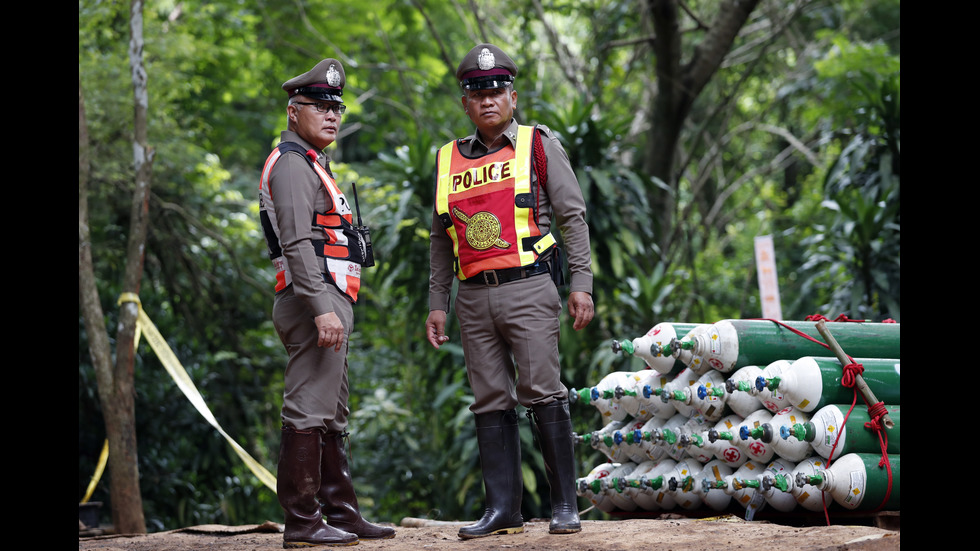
<point>663,534</point>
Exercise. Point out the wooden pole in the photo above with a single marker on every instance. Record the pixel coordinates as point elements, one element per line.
<point>858,379</point>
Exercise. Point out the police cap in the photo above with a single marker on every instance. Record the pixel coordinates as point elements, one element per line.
<point>324,82</point>
<point>486,66</point>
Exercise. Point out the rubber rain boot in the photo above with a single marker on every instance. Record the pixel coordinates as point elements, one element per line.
<point>338,502</point>
<point>297,483</point>
<point>554,428</point>
<point>499,441</point>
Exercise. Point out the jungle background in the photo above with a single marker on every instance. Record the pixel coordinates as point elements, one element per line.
<point>687,142</point>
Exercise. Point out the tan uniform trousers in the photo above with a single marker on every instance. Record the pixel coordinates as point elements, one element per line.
<point>316,388</point>
<point>514,323</point>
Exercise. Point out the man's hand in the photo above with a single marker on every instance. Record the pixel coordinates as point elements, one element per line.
<point>435,328</point>
<point>581,308</point>
<point>330,331</point>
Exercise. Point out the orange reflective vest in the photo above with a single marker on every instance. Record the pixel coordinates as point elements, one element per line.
<point>339,248</point>
<point>488,209</point>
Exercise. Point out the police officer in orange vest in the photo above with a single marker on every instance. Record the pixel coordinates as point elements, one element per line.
<point>499,193</point>
<point>318,254</point>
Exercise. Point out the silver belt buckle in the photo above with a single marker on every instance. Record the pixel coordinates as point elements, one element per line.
<point>486,278</point>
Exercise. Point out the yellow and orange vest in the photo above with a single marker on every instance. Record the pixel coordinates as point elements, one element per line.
<point>488,207</point>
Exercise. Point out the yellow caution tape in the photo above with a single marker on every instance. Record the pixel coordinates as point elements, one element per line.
<point>184,383</point>
<point>103,457</point>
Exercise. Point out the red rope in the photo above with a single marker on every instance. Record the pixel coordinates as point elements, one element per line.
<point>876,411</point>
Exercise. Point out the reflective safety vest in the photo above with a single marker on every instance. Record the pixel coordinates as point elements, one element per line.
<point>340,247</point>
<point>488,209</point>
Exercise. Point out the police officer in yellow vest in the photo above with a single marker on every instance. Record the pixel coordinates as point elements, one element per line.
<point>318,255</point>
<point>499,192</point>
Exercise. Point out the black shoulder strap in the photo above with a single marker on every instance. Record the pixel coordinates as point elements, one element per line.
<point>295,147</point>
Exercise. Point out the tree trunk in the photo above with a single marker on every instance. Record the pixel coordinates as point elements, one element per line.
<point>116,381</point>
<point>678,86</point>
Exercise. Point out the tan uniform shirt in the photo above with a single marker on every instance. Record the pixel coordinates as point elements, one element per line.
<point>561,200</point>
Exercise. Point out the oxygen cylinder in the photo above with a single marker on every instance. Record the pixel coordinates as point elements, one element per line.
<point>713,472</point>
<point>648,489</point>
<point>733,483</point>
<point>742,403</point>
<point>601,395</point>
<point>602,441</point>
<point>723,450</point>
<point>635,488</point>
<point>779,500</point>
<point>857,482</point>
<point>680,482</point>
<point>644,438</point>
<point>683,380</point>
<point>665,437</point>
<point>613,488</point>
<point>771,399</point>
<point>694,362</point>
<point>733,343</point>
<point>755,450</point>
<point>695,444</point>
<point>671,436</point>
<point>813,382</point>
<point>827,428</point>
<point>648,347</point>
<point>648,391</point>
<point>807,495</point>
<point>590,486</point>
<point>711,406</point>
<point>787,446</point>
<point>630,396</point>
<point>625,439</point>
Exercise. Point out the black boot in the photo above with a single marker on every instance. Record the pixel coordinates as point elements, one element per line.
<point>554,427</point>
<point>338,502</point>
<point>296,485</point>
<point>499,440</point>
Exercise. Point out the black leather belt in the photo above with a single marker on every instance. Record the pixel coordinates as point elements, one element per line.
<point>493,278</point>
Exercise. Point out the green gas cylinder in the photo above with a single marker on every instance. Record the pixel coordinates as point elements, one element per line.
<point>828,427</point>
<point>813,382</point>
<point>858,481</point>
<point>729,344</point>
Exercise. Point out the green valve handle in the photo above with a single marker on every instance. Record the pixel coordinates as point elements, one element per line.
<point>619,484</point>
<point>626,347</point>
<point>740,484</point>
<point>745,432</point>
<point>655,483</point>
<point>668,436</point>
<point>704,392</point>
<point>761,383</point>
<point>619,392</point>
<point>584,395</point>
<point>689,440</point>
<point>679,395</point>
<point>596,486</point>
<point>780,482</point>
<point>802,479</point>
<point>714,435</point>
<point>707,484</point>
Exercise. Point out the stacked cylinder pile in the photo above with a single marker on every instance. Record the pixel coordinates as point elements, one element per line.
<point>747,412</point>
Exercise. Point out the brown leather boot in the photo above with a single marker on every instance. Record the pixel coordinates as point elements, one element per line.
<point>297,482</point>
<point>499,440</point>
<point>338,502</point>
<point>554,428</point>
